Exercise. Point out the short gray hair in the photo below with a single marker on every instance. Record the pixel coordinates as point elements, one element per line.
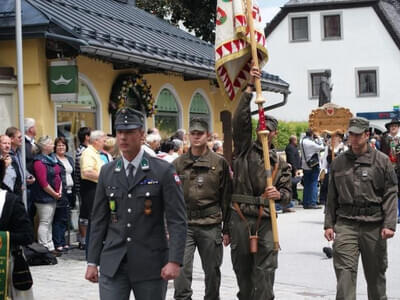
<point>153,137</point>
<point>43,141</point>
<point>177,144</point>
<point>28,123</point>
<point>96,135</point>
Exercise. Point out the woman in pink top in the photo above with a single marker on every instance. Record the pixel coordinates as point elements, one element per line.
<point>46,190</point>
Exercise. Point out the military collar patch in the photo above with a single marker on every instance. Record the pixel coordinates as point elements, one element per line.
<point>145,164</point>
<point>118,166</point>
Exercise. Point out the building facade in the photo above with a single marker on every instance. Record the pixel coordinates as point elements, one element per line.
<point>357,41</point>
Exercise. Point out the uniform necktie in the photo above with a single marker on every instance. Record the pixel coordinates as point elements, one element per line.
<point>131,178</point>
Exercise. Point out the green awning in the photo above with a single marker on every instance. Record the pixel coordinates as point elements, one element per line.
<point>166,102</point>
<point>199,105</point>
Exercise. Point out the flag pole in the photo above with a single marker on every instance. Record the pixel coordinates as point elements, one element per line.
<point>262,129</point>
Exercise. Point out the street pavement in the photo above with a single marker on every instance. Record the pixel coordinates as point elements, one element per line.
<point>304,272</point>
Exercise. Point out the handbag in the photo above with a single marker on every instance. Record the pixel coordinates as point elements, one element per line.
<point>314,159</point>
<point>21,275</point>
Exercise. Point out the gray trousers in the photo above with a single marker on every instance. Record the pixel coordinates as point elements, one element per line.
<point>120,287</point>
<point>255,273</point>
<point>208,240</point>
<point>352,239</point>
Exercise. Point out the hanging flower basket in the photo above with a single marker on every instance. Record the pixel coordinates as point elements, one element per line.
<point>131,90</point>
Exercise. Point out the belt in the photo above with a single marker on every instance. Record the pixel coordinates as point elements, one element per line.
<point>354,211</point>
<point>247,199</point>
<point>202,213</point>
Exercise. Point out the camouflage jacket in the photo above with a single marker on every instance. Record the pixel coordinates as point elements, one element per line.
<point>248,167</point>
<point>362,188</point>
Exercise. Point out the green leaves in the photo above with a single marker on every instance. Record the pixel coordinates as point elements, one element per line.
<point>197,16</point>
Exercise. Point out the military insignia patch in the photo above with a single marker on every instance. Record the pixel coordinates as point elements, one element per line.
<point>144,164</point>
<point>177,179</point>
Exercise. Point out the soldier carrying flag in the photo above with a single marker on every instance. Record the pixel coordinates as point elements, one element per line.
<point>252,228</point>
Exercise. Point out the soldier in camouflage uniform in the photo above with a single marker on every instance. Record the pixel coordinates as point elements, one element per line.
<point>207,191</point>
<point>361,213</point>
<point>255,273</point>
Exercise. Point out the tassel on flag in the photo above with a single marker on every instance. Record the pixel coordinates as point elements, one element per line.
<point>232,45</point>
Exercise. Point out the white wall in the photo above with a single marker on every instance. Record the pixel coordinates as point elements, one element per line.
<point>365,43</point>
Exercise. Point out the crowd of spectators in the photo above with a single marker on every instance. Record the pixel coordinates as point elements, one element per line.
<point>59,179</point>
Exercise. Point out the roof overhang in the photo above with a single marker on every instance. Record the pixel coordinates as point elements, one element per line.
<point>174,66</point>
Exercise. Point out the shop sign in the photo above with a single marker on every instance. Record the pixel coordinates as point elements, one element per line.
<point>63,81</point>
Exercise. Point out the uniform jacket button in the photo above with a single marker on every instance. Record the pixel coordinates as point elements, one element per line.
<point>129,195</point>
<point>129,210</point>
<point>128,239</point>
<point>128,225</point>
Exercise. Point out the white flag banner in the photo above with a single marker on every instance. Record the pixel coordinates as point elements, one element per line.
<point>232,45</point>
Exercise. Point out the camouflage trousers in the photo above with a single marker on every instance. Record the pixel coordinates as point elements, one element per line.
<point>208,240</point>
<point>255,273</point>
<point>353,238</point>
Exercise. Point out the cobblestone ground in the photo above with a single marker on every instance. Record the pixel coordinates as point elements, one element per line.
<point>304,272</point>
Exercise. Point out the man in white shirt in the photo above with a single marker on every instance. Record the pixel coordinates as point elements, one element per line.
<point>310,148</point>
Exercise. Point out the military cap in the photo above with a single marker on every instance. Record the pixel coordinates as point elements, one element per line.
<point>128,118</point>
<point>271,123</point>
<point>198,124</point>
<point>358,125</point>
<point>393,121</point>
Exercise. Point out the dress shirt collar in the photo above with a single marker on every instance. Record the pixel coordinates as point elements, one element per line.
<point>135,162</point>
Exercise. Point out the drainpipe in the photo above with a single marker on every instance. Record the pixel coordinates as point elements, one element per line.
<point>20,78</point>
<point>273,106</point>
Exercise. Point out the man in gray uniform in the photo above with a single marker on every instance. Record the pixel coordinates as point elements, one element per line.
<point>128,238</point>
<point>361,213</point>
<point>207,191</point>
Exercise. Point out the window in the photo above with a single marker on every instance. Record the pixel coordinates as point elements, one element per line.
<point>315,82</point>
<point>8,114</point>
<point>332,27</point>
<point>367,82</point>
<point>167,116</point>
<point>299,29</point>
<point>73,115</point>
<point>199,109</point>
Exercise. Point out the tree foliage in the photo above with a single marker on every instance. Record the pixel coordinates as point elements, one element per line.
<point>196,15</point>
<point>285,130</point>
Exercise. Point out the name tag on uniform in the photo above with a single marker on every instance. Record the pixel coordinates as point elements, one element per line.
<point>364,173</point>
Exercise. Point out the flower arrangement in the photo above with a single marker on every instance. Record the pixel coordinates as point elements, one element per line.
<point>131,90</point>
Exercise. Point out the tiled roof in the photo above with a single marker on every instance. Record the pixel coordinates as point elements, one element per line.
<point>114,25</point>
<point>387,10</point>
<point>125,33</point>
<point>391,12</point>
<point>30,16</point>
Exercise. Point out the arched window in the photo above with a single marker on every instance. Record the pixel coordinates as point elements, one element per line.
<point>199,108</point>
<point>72,115</point>
<point>167,116</point>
